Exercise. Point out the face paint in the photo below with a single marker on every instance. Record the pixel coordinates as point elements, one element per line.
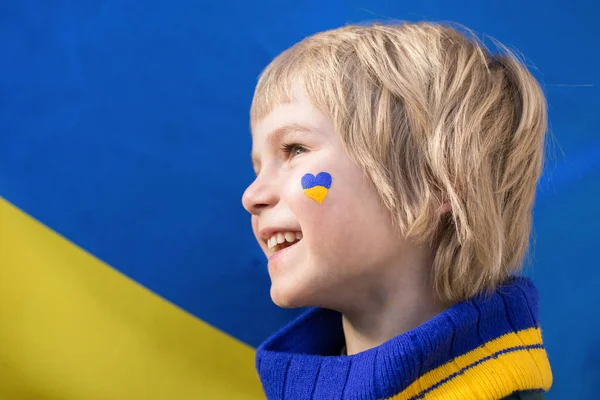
<point>316,187</point>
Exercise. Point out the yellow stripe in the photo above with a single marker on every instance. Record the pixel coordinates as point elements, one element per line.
<point>71,327</point>
<point>494,378</point>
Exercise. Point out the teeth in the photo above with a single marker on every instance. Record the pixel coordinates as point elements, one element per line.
<point>281,237</point>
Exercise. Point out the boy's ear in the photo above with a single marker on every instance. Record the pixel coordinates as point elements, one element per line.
<point>443,203</point>
<point>444,208</point>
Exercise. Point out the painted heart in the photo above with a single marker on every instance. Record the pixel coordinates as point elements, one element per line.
<point>322,179</point>
<point>316,187</point>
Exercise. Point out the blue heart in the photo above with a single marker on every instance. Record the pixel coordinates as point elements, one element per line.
<point>322,179</point>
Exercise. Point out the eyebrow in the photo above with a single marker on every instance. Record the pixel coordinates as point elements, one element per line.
<point>277,135</point>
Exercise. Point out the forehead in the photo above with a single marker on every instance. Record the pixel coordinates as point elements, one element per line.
<point>298,117</point>
<point>298,111</point>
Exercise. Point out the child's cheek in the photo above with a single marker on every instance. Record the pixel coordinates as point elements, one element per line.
<point>316,200</point>
<point>316,187</point>
<point>310,196</point>
<point>323,211</point>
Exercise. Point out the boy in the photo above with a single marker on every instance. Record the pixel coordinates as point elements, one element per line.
<point>396,169</point>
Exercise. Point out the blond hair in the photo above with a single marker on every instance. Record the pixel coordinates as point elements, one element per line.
<point>432,116</point>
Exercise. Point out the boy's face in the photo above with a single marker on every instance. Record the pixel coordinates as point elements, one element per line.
<point>347,240</point>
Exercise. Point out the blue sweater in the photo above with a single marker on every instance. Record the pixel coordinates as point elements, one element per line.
<point>485,348</point>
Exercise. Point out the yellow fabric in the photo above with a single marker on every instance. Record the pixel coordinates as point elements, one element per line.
<point>490,378</point>
<point>71,327</point>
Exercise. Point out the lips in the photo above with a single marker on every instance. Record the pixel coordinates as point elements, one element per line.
<point>279,256</point>
<point>278,240</point>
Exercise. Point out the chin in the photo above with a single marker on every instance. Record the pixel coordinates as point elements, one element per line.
<point>289,297</point>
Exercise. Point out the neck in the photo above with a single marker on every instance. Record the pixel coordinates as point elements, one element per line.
<point>399,304</point>
<point>485,348</point>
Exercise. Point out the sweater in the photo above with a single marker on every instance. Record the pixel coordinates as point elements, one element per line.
<point>488,347</point>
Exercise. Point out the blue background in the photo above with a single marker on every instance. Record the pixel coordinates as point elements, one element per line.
<point>124,127</point>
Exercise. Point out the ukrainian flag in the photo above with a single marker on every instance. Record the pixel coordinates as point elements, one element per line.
<point>72,327</point>
<point>128,269</point>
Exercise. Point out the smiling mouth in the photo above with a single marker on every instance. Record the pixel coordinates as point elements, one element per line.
<point>281,240</point>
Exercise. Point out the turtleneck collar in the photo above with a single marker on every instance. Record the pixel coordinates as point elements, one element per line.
<point>485,348</point>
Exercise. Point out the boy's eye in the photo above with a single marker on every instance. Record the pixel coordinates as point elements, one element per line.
<point>293,149</point>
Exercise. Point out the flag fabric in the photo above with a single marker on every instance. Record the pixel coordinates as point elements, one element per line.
<point>128,269</point>
<point>73,327</point>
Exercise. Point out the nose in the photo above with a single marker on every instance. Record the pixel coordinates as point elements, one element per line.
<point>259,195</point>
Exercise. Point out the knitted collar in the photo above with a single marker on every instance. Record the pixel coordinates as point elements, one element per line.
<point>485,348</point>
